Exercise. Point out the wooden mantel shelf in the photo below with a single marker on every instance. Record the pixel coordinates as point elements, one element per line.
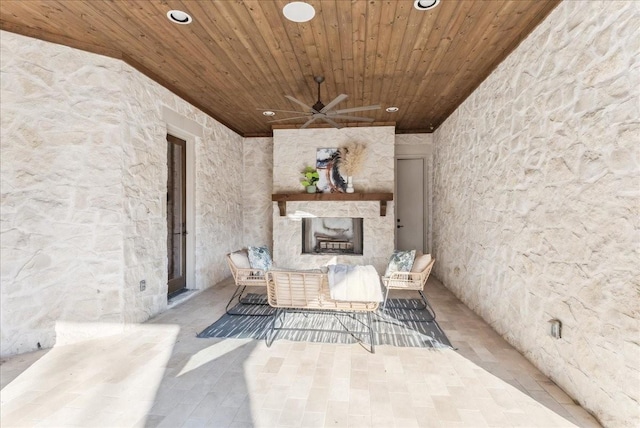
<point>283,198</point>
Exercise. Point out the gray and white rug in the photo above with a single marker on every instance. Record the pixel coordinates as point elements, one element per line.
<point>400,326</point>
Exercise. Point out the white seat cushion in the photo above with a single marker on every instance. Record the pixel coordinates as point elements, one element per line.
<point>421,262</point>
<point>240,259</point>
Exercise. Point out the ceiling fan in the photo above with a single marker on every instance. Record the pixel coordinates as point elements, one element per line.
<point>319,111</point>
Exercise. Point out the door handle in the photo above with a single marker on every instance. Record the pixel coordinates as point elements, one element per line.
<point>399,226</point>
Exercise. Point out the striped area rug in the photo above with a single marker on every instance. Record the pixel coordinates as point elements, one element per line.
<point>400,326</point>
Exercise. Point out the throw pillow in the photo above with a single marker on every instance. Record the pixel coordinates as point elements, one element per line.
<point>421,262</point>
<point>400,261</point>
<point>240,259</point>
<point>260,258</point>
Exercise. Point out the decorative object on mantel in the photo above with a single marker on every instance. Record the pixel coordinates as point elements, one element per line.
<point>310,178</point>
<point>351,161</point>
<point>327,163</point>
<point>282,198</point>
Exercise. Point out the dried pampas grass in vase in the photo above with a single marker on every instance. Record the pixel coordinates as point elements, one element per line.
<point>351,162</point>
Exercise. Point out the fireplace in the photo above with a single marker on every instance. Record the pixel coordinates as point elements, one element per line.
<point>332,235</point>
<point>295,148</point>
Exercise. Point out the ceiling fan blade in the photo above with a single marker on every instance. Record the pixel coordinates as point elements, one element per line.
<point>281,111</point>
<point>354,118</point>
<point>309,122</point>
<point>335,102</point>
<point>290,98</point>
<point>287,118</point>
<point>354,109</point>
<point>331,122</point>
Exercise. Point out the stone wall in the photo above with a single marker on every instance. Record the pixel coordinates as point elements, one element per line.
<point>257,186</point>
<point>414,140</point>
<point>295,149</point>
<point>83,183</point>
<point>61,182</point>
<point>218,199</point>
<point>537,202</point>
<point>144,177</point>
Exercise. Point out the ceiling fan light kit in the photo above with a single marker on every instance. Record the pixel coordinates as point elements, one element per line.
<point>319,111</point>
<point>298,11</point>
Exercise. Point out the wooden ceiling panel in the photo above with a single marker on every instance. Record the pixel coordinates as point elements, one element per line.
<point>239,57</point>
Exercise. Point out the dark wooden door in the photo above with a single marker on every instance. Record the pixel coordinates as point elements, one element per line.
<point>176,213</point>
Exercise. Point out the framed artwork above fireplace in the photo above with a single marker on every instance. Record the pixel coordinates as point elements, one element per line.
<point>327,164</point>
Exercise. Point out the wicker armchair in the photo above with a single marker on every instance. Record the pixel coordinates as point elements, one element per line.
<point>410,281</point>
<point>243,276</point>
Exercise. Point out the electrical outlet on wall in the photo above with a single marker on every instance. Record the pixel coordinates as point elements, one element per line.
<point>143,285</point>
<point>556,328</point>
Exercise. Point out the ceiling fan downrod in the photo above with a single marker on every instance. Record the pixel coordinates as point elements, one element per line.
<point>318,105</point>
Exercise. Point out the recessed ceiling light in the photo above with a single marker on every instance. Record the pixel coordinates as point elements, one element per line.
<point>425,4</point>
<point>269,113</point>
<point>298,11</point>
<point>179,17</point>
<point>392,109</point>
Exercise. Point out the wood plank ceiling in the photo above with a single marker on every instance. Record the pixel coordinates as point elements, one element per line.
<point>238,57</point>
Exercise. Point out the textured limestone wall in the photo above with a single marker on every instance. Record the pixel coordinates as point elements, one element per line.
<point>257,216</point>
<point>414,140</point>
<point>61,182</point>
<point>83,182</point>
<point>537,202</point>
<point>218,202</point>
<point>144,176</point>
<point>218,196</point>
<point>295,149</point>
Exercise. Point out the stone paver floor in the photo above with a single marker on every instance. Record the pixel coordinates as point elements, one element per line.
<point>159,374</point>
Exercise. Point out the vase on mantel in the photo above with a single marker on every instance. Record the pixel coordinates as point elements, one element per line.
<point>349,184</point>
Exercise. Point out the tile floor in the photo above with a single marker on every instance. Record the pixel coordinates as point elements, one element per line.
<point>158,374</point>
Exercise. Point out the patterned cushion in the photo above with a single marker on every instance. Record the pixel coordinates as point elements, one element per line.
<point>260,258</point>
<point>401,261</point>
<point>421,262</point>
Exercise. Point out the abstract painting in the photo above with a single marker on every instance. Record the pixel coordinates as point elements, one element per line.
<point>327,162</point>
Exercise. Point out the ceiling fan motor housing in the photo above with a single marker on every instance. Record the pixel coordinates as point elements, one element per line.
<point>318,106</point>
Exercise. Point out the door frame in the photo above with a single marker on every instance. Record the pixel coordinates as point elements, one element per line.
<point>424,152</point>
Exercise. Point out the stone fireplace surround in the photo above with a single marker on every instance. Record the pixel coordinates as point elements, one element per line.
<point>295,149</point>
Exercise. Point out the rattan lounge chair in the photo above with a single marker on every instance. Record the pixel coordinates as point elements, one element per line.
<point>410,281</point>
<point>243,277</point>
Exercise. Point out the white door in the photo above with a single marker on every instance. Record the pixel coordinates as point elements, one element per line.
<point>410,219</point>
